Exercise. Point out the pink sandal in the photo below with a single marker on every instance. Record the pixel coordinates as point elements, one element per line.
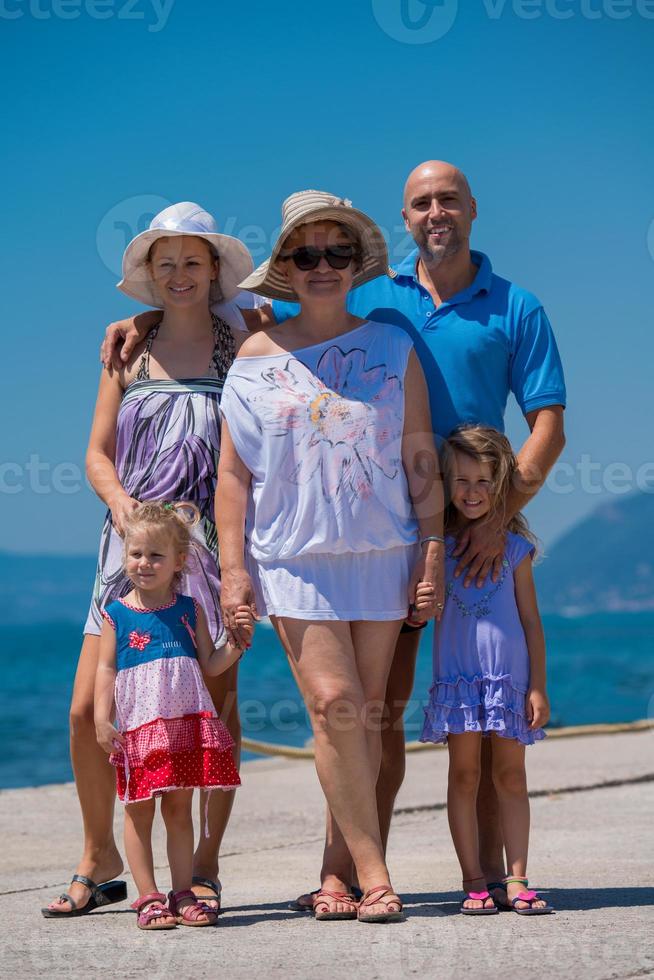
<point>155,911</point>
<point>190,914</point>
<point>479,897</point>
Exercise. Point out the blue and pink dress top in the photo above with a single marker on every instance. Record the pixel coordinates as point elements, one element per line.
<point>173,737</point>
<point>481,660</point>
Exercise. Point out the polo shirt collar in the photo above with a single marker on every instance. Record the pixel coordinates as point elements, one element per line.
<point>406,269</point>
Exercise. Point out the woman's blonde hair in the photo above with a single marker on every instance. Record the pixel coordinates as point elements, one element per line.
<point>173,522</point>
<point>486,445</point>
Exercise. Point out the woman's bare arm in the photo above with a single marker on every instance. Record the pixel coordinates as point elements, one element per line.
<point>230,507</point>
<point>101,451</point>
<point>423,474</point>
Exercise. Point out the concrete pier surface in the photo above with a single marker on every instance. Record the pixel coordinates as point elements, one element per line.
<point>592,855</point>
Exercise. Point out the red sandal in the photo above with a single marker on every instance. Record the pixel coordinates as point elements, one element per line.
<point>374,896</point>
<point>326,898</point>
<point>149,918</point>
<point>190,914</point>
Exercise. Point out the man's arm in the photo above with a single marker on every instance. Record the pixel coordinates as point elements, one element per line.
<point>481,548</point>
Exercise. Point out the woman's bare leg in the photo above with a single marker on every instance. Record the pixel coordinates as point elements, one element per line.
<point>95,780</point>
<point>327,666</point>
<point>374,645</point>
<point>224,693</point>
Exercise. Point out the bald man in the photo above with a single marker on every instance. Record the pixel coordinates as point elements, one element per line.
<point>479,337</point>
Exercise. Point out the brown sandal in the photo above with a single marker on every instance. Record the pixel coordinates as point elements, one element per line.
<point>374,896</point>
<point>325,897</point>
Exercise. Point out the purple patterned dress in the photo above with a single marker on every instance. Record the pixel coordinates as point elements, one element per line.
<point>167,445</point>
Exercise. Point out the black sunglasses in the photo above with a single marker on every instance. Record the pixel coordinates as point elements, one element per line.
<point>307,258</point>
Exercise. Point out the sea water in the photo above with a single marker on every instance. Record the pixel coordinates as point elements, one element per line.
<point>601,669</point>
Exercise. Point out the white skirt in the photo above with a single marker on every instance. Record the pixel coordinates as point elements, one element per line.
<point>370,585</point>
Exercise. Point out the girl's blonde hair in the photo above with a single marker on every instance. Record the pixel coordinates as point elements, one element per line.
<point>486,445</point>
<point>173,522</point>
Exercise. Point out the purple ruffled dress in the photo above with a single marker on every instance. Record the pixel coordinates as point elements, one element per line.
<point>481,661</point>
<point>167,446</point>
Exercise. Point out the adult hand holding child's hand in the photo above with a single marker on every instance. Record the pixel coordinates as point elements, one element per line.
<point>236,592</point>
<point>427,588</point>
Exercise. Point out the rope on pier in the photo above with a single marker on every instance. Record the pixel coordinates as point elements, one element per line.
<point>574,731</point>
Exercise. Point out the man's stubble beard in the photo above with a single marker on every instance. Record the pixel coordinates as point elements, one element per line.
<point>433,256</point>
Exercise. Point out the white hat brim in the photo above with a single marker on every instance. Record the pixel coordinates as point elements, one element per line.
<point>267,280</point>
<point>235,263</point>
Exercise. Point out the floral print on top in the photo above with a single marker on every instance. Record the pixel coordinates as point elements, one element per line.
<point>320,429</point>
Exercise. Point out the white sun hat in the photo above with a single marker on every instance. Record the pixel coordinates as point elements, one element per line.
<point>184,218</point>
<point>305,207</point>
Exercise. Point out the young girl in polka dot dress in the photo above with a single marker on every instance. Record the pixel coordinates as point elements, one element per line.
<point>167,741</point>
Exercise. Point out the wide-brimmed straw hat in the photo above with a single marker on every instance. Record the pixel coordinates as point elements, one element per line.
<point>184,218</point>
<point>310,206</point>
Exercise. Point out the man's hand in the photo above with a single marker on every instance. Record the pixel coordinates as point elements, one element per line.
<point>480,548</point>
<point>236,592</point>
<point>121,338</point>
<point>537,708</point>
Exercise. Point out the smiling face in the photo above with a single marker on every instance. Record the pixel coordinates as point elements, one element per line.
<point>438,211</point>
<point>183,268</point>
<point>151,560</point>
<point>471,486</point>
<point>322,283</point>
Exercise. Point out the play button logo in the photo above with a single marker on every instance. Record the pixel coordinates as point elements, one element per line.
<point>415,21</point>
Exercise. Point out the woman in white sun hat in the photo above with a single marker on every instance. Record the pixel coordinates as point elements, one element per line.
<point>325,447</point>
<point>156,436</point>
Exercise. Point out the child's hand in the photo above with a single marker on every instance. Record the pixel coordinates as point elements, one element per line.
<point>245,621</point>
<point>424,605</point>
<point>108,736</point>
<point>537,708</point>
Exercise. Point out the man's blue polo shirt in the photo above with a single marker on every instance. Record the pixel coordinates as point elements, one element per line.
<point>475,348</point>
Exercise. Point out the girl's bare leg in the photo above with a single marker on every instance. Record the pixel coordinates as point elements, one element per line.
<point>95,780</point>
<point>176,813</point>
<point>139,818</point>
<point>224,693</point>
<point>510,781</point>
<point>329,670</point>
<point>462,786</point>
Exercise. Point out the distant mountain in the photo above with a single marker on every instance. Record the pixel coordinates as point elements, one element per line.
<point>45,588</point>
<point>605,563</point>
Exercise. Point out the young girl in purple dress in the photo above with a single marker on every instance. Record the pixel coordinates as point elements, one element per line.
<point>168,740</point>
<point>489,671</point>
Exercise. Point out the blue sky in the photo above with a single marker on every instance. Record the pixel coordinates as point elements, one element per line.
<point>547,106</point>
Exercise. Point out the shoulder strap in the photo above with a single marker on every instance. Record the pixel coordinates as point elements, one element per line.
<point>143,373</point>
